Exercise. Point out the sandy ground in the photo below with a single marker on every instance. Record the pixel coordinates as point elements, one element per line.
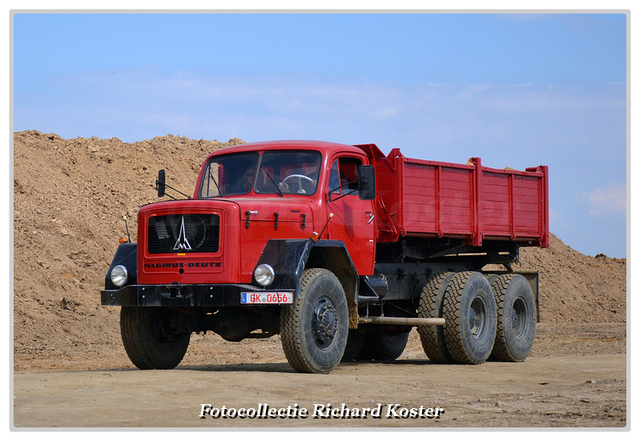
<point>574,378</point>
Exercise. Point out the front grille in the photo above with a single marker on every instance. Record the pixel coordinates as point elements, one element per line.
<point>183,233</point>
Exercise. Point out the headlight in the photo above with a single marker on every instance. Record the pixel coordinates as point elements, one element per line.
<point>119,275</point>
<point>264,274</point>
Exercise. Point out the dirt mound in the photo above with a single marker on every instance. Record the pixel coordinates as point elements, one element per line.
<point>575,288</point>
<point>69,199</point>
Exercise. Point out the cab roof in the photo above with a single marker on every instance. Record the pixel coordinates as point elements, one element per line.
<point>321,146</point>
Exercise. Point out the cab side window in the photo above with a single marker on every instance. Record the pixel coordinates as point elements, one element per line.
<point>343,179</point>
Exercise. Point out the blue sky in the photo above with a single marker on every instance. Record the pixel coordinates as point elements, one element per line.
<point>517,90</point>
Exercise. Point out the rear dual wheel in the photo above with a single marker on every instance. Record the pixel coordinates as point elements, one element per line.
<point>469,310</point>
<point>495,317</point>
<point>431,301</point>
<point>516,317</point>
<point>466,303</point>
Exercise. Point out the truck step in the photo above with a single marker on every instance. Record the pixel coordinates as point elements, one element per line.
<point>364,299</point>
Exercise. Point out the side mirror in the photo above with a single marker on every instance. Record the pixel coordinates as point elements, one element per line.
<point>160,183</point>
<point>366,182</point>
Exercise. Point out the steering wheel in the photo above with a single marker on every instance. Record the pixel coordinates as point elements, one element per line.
<point>300,178</point>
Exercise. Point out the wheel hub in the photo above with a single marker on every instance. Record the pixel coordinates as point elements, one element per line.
<point>472,319</point>
<point>518,319</point>
<point>477,317</point>
<point>324,322</point>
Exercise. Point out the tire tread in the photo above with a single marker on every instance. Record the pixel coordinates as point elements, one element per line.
<point>297,354</point>
<point>501,350</point>
<point>432,337</point>
<point>459,346</point>
<point>139,343</point>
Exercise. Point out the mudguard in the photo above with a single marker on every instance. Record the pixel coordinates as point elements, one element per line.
<point>126,255</point>
<point>290,257</point>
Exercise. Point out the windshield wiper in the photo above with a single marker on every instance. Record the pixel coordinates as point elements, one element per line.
<point>272,180</point>
<point>215,182</point>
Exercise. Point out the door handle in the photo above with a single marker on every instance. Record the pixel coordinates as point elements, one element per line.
<point>371,216</point>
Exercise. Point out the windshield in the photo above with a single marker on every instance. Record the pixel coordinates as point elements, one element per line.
<point>279,172</point>
<point>288,172</point>
<point>229,175</point>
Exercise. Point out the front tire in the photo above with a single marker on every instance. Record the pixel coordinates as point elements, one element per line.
<point>384,347</point>
<point>314,329</point>
<point>355,341</point>
<point>149,338</point>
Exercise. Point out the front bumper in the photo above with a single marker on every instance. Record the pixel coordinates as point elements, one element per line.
<point>179,296</point>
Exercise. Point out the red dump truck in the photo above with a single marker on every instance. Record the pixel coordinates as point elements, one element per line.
<point>339,249</point>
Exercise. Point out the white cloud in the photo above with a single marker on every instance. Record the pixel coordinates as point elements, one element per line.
<point>603,202</point>
<point>472,90</point>
<point>453,120</point>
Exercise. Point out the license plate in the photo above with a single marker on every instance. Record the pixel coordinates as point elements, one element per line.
<point>266,298</point>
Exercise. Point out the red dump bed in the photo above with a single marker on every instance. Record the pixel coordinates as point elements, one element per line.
<point>470,201</point>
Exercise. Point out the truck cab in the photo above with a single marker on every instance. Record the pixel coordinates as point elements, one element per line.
<point>288,190</point>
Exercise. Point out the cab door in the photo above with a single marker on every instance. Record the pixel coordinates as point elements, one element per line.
<point>353,218</point>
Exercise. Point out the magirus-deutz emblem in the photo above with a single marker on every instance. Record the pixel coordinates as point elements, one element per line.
<point>182,243</point>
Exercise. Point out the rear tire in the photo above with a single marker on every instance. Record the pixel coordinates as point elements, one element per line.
<point>431,300</point>
<point>149,340</point>
<point>470,318</point>
<point>314,329</point>
<point>516,325</point>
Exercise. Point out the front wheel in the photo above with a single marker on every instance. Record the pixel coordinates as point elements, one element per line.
<point>380,346</point>
<point>150,339</point>
<point>314,329</point>
<point>355,341</point>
